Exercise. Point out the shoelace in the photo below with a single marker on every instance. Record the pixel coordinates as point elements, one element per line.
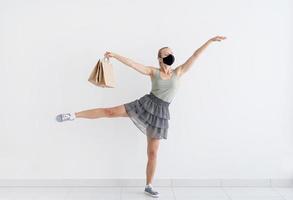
<point>65,116</point>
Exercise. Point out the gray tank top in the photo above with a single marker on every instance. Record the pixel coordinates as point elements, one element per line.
<point>165,89</point>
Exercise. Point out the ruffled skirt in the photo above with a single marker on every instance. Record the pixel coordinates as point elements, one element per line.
<point>150,114</point>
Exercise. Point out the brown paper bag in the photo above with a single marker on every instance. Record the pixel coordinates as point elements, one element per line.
<point>103,74</point>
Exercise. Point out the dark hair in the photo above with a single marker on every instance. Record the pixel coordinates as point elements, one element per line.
<point>159,52</point>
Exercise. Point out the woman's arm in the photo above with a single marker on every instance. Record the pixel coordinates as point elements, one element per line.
<point>146,70</point>
<point>181,69</point>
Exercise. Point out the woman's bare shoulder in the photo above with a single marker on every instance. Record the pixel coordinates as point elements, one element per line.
<point>153,70</point>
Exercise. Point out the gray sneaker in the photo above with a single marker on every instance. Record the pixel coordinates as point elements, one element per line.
<point>64,117</point>
<point>151,192</point>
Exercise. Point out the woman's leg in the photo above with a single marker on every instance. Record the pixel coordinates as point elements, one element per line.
<point>116,111</point>
<point>152,150</point>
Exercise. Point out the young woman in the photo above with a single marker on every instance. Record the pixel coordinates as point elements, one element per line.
<point>150,113</point>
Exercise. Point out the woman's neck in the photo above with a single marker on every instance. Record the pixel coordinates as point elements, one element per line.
<point>165,69</point>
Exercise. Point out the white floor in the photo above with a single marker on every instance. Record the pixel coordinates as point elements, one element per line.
<point>131,193</point>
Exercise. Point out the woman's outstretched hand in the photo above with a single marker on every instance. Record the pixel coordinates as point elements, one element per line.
<point>109,54</point>
<point>217,38</point>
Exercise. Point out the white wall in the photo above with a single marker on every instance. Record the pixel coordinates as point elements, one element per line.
<point>231,118</point>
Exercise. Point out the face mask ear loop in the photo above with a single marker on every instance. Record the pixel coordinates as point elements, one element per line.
<point>160,59</point>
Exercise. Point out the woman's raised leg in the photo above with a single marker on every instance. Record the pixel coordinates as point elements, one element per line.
<point>116,111</point>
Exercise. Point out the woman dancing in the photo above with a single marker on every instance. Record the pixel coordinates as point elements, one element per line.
<point>150,113</point>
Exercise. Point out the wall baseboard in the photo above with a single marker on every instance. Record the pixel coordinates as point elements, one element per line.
<point>124,182</point>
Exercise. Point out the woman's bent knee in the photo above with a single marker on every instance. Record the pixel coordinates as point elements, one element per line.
<point>117,111</point>
<point>109,112</point>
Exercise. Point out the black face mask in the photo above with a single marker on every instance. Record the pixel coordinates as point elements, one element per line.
<point>169,60</point>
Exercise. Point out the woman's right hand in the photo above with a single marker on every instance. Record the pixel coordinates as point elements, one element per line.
<point>109,54</point>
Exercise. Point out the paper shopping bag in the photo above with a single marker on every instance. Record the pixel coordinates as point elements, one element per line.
<point>102,74</point>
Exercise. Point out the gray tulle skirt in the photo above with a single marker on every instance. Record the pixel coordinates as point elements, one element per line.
<point>150,114</point>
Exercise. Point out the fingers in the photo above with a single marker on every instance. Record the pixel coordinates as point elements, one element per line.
<point>107,54</point>
<point>222,38</point>
<point>219,38</point>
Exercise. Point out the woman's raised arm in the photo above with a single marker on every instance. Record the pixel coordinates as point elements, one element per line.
<point>188,63</point>
<point>146,70</point>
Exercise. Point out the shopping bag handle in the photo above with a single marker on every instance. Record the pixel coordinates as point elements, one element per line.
<point>108,59</point>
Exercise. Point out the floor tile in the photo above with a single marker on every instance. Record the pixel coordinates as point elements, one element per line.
<point>251,192</point>
<point>258,198</point>
<point>36,193</point>
<point>94,193</point>
<point>199,193</point>
<point>285,192</point>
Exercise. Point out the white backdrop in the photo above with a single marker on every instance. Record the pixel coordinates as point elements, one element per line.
<point>231,118</point>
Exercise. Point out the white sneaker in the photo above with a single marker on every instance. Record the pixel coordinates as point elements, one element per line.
<point>65,117</point>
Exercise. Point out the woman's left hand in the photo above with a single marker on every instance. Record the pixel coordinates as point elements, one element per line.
<point>217,38</point>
